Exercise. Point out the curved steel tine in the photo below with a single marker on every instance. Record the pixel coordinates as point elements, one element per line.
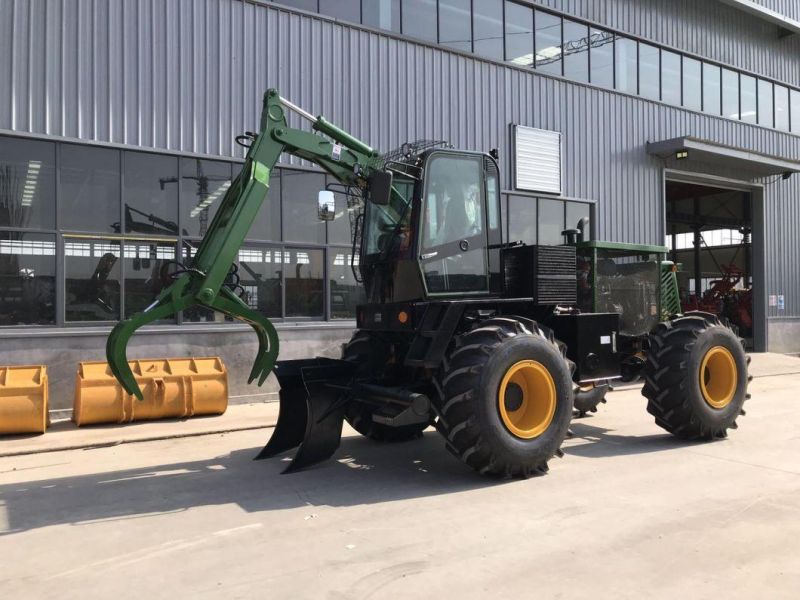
<point>268,344</point>
<point>170,301</point>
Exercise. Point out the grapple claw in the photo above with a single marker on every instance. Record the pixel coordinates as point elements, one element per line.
<point>116,355</point>
<point>168,303</point>
<point>268,344</point>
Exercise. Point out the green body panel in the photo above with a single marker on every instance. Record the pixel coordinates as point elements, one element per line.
<point>623,248</point>
<point>347,159</point>
<point>668,299</point>
<point>670,295</point>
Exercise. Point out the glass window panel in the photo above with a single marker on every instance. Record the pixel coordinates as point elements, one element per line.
<point>795,104</point>
<point>455,26</point>
<point>492,200</point>
<point>349,10</point>
<point>548,42</point>
<point>304,282</point>
<point>504,217</point>
<point>577,211</point>
<point>454,228</point>
<point>649,71</point>
<point>419,19</point>
<point>712,89</point>
<point>27,183</point>
<point>766,114</point>
<point>692,80</point>
<point>383,14</point>
<point>781,108</point>
<point>671,77</point>
<point>626,71</point>
<point>150,193</point>
<point>519,34</point>
<point>602,57</point>
<point>749,100</point>
<point>380,222</point>
<point>730,94</point>
<point>346,210</point>
<point>203,186</point>
<point>522,216</point>
<point>576,51</point>
<point>92,279</point>
<point>300,216</point>
<point>345,292</point>
<point>146,273</point>
<point>27,278</point>
<point>309,5</point>
<point>551,222</point>
<point>487,25</point>
<point>89,189</point>
<point>260,271</point>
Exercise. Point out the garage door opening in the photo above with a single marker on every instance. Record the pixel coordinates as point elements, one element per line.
<point>710,234</point>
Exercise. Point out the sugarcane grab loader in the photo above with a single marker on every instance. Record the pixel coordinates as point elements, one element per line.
<point>496,343</point>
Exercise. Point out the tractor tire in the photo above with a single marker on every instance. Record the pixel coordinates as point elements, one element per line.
<point>505,397</point>
<point>372,355</point>
<point>696,376</point>
<point>588,399</point>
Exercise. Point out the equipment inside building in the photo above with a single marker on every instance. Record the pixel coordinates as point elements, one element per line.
<point>709,232</point>
<point>492,341</point>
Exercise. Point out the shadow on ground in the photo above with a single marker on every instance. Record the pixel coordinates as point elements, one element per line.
<point>591,441</point>
<point>361,472</point>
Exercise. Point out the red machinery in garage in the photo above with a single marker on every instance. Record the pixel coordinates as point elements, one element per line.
<point>723,299</point>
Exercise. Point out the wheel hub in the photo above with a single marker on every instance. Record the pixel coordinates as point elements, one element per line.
<point>718,377</point>
<point>513,397</point>
<point>527,399</point>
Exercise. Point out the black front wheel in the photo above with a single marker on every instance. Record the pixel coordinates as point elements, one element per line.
<point>372,355</point>
<point>505,399</point>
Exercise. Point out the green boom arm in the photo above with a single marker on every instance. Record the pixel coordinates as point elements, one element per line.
<point>347,159</point>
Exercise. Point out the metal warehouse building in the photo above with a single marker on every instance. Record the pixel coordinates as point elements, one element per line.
<point>672,122</point>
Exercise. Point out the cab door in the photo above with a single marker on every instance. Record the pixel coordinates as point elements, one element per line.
<point>453,240</point>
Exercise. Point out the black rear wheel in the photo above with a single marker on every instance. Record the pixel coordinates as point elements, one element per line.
<point>696,376</point>
<point>372,356</point>
<point>505,400</point>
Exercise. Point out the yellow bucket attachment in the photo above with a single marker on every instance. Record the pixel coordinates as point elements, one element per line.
<point>173,388</point>
<point>23,399</point>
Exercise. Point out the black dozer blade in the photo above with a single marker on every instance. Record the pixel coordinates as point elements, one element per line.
<point>313,396</point>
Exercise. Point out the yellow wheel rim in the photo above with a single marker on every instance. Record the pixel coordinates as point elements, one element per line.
<point>718,377</point>
<point>527,399</point>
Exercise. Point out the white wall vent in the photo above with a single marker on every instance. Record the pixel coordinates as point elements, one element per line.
<point>537,160</point>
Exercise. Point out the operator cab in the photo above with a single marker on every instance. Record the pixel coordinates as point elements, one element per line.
<point>439,233</point>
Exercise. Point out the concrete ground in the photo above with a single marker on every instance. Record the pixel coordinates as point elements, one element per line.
<point>628,512</point>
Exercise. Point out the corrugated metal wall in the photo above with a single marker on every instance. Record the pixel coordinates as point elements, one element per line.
<point>787,8</point>
<point>705,27</point>
<point>188,75</point>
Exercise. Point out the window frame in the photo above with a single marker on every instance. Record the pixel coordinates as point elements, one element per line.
<point>594,25</point>
<point>420,244</point>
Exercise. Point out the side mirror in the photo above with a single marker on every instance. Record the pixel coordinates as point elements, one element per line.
<point>326,205</point>
<point>380,187</point>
